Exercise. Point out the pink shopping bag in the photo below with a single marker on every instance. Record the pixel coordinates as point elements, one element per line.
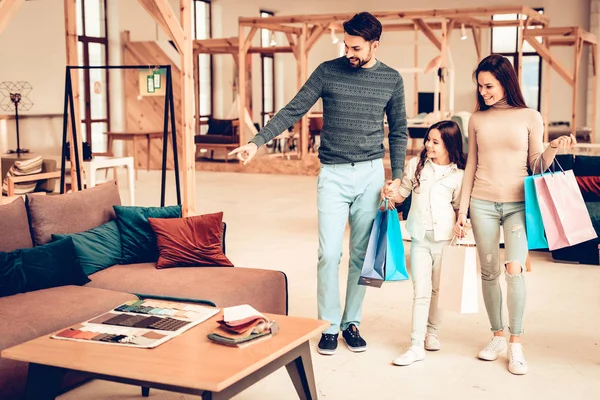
<point>460,281</point>
<point>566,218</point>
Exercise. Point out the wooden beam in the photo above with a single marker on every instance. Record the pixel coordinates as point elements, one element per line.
<point>270,50</point>
<point>163,14</point>
<point>428,32</point>
<point>562,41</point>
<point>403,14</point>
<point>562,31</point>
<point>70,9</point>
<point>586,36</point>
<point>293,45</point>
<point>187,102</point>
<point>8,9</point>
<point>248,41</point>
<point>315,35</point>
<point>546,55</point>
<point>477,40</point>
<point>276,27</point>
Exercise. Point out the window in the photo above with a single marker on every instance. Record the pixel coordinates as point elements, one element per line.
<point>93,84</point>
<point>505,41</point>
<point>267,39</point>
<point>202,30</point>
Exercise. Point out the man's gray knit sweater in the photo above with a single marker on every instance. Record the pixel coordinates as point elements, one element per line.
<point>354,103</point>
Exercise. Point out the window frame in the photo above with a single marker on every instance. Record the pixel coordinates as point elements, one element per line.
<point>515,56</point>
<point>210,61</point>
<point>85,91</point>
<point>264,114</point>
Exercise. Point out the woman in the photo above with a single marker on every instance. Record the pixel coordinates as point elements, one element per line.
<point>505,139</point>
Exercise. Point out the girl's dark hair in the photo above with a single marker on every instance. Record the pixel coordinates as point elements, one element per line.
<point>452,138</point>
<point>503,70</point>
<point>364,25</point>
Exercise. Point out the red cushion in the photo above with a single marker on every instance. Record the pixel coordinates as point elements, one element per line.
<point>590,187</point>
<point>191,241</point>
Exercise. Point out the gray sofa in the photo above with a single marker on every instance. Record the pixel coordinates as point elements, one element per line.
<point>25,316</point>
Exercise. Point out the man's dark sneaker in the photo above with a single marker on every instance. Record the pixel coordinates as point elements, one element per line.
<point>353,340</point>
<point>328,344</point>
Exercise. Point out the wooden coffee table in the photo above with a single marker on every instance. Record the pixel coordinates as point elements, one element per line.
<point>189,363</point>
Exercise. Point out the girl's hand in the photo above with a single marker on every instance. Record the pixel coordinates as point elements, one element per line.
<point>564,142</point>
<point>391,202</point>
<point>461,226</point>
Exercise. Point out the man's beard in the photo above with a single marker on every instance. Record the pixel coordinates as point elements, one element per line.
<point>360,62</point>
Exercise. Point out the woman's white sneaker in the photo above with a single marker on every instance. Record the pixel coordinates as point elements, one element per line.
<point>516,359</point>
<point>432,343</point>
<point>415,353</point>
<point>493,349</point>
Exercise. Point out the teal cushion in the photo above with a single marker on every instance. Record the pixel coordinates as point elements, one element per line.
<point>51,265</point>
<point>98,248</point>
<point>138,241</point>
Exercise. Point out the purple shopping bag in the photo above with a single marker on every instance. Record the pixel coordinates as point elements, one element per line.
<point>566,218</point>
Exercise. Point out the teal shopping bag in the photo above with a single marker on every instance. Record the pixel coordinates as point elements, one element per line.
<point>534,225</point>
<point>384,260</point>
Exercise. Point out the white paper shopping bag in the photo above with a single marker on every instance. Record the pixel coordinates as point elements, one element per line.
<point>460,281</point>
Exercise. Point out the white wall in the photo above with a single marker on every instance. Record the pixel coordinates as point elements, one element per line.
<point>32,48</point>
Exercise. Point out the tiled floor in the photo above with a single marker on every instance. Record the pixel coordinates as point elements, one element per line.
<point>272,223</point>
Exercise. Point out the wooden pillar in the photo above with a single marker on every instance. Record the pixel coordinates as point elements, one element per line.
<point>187,110</point>
<point>520,39</point>
<point>302,76</point>
<point>594,48</point>
<point>197,92</point>
<point>73,59</point>
<point>577,61</point>
<point>241,85</point>
<point>443,63</point>
<point>546,84</point>
<point>416,74</point>
<point>477,40</point>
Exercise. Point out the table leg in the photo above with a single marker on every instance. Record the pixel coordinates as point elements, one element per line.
<point>134,154</point>
<point>43,382</point>
<point>91,175</point>
<point>148,155</point>
<point>301,372</point>
<point>131,179</point>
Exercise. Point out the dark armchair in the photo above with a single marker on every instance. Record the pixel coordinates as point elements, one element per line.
<point>222,134</point>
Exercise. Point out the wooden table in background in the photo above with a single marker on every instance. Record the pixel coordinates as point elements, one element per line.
<point>133,137</point>
<point>188,363</point>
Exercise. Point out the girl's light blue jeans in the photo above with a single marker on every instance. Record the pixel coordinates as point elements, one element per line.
<point>486,219</point>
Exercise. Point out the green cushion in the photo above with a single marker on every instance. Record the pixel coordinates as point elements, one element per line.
<point>138,241</point>
<point>98,248</point>
<point>51,265</point>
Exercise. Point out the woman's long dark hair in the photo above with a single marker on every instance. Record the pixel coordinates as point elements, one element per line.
<point>452,138</point>
<point>503,70</point>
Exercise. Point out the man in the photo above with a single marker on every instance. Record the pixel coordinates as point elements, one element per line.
<point>356,90</point>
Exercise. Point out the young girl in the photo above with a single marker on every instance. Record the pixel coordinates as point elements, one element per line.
<point>435,180</point>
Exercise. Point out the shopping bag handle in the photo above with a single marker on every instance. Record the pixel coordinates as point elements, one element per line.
<point>542,169</point>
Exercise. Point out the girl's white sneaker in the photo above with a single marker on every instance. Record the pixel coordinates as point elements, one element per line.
<point>414,353</point>
<point>432,343</point>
